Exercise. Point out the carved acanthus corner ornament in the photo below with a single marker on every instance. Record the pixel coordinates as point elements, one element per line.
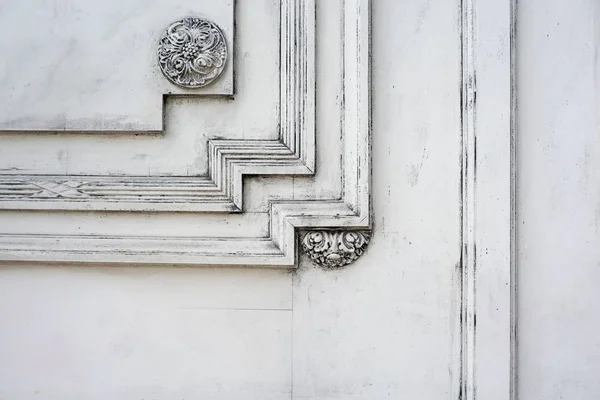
<point>335,248</point>
<point>192,52</point>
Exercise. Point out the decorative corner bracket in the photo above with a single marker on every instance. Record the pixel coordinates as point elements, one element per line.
<point>335,248</point>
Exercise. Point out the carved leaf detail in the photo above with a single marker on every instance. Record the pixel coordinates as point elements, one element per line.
<point>192,52</point>
<point>335,249</point>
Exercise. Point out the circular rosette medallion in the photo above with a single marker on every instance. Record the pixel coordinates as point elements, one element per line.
<point>192,52</point>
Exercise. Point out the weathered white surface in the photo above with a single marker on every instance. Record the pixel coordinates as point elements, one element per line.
<point>221,190</point>
<point>487,198</point>
<point>189,121</point>
<point>389,325</point>
<point>559,199</point>
<point>384,328</point>
<point>93,333</point>
<point>92,65</point>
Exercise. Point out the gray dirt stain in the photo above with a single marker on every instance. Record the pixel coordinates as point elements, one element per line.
<point>415,169</point>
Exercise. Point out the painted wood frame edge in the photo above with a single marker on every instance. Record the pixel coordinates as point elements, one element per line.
<point>350,213</point>
<point>228,160</point>
<point>487,299</point>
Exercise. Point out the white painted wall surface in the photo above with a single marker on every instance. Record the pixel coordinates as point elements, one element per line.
<point>558,154</point>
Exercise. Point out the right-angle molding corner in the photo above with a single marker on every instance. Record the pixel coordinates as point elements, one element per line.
<point>335,248</point>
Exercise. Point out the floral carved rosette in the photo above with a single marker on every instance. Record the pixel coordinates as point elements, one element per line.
<point>192,52</point>
<point>334,249</point>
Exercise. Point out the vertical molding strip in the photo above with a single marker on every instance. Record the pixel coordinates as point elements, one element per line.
<point>468,179</point>
<point>488,293</point>
<point>513,203</point>
<point>298,79</point>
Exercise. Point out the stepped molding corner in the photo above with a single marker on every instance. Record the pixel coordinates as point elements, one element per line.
<point>221,190</point>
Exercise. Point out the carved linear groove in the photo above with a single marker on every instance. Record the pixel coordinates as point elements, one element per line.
<point>221,190</point>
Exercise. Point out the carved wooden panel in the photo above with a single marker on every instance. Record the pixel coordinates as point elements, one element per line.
<point>214,197</point>
<point>90,65</point>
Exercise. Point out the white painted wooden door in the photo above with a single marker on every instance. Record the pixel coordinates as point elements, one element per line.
<point>298,199</point>
<point>135,254</point>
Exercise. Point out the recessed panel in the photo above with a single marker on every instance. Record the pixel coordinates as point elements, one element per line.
<point>94,65</point>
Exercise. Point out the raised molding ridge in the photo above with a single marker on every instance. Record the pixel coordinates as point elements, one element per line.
<point>486,339</point>
<point>228,160</point>
<point>351,212</point>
